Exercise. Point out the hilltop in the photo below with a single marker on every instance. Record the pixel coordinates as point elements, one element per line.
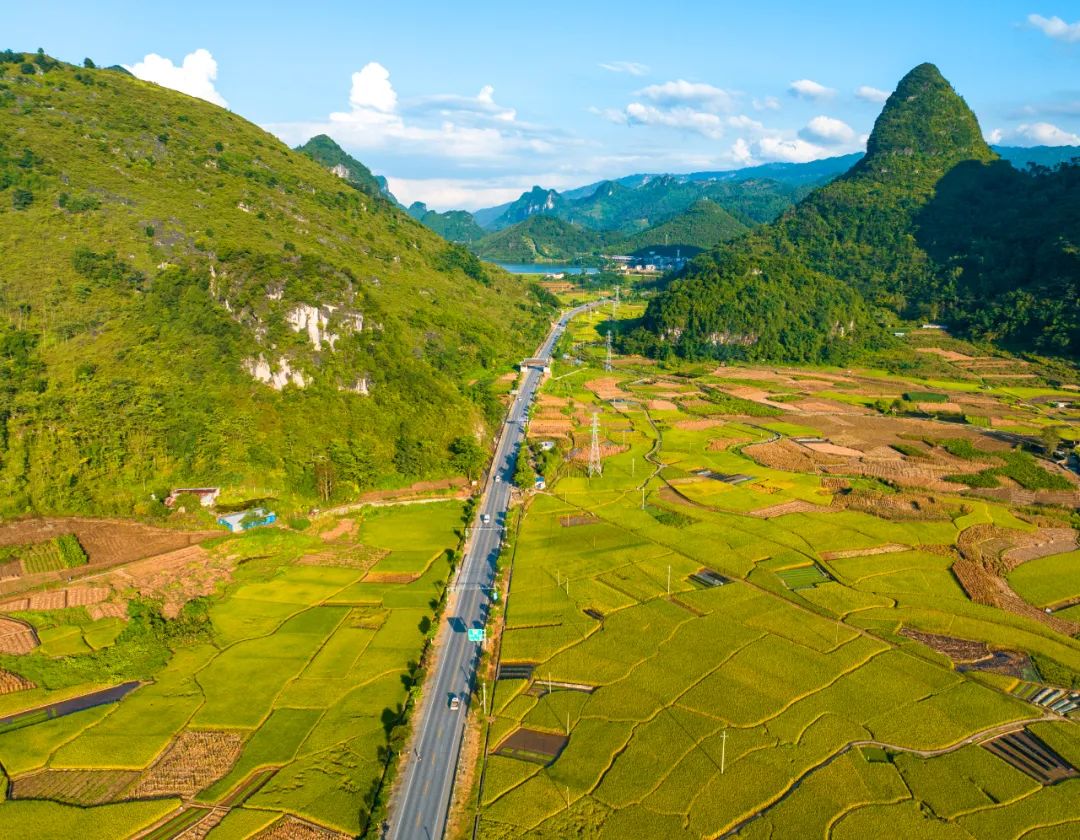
<point>894,230</point>
<point>185,300</point>
<point>539,239</point>
<point>701,226</point>
<point>325,151</point>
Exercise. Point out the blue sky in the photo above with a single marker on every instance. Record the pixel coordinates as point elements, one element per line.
<point>468,103</point>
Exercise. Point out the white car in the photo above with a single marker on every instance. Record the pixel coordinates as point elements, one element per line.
<point>485,518</point>
<point>455,703</point>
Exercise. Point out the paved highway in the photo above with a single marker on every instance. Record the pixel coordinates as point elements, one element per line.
<point>420,805</point>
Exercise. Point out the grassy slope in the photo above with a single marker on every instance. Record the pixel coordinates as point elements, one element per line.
<point>128,375</point>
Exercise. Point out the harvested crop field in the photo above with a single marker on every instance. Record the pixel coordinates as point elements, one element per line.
<point>16,637</point>
<point>195,760</point>
<point>290,828</point>
<point>78,787</point>
<point>107,541</point>
<point>10,683</point>
<point>533,745</point>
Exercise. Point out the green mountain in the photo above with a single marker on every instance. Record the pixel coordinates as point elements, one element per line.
<point>929,223</point>
<point>186,301</point>
<point>701,227</point>
<point>453,225</point>
<point>540,239</point>
<point>324,150</point>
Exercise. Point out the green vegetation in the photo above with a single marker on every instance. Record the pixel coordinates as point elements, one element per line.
<point>63,552</point>
<point>323,150</point>
<point>191,250</point>
<point>311,665</point>
<point>701,226</point>
<point>453,225</point>
<point>928,224</point>
<point>796,662</point>
<point>540,239</point>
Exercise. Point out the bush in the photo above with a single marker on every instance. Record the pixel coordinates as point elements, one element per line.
<point>71,552</point>
<point>21,199</point>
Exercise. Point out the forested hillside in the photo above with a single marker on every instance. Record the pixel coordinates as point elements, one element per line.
<point>928,224</point>
<point>185,300</point>
<point>540,239</point>
<point>702,226</point>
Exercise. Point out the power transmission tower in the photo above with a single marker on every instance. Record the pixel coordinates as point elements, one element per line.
<point>615,305</point>
<point>595,466</point>
<point>607,361</point>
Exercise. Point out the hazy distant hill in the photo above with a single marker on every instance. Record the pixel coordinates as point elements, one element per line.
<point>185,300</point>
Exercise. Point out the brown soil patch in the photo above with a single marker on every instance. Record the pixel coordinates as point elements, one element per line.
<point>1043,543</point>
<point>16,637</point>
<point>958,650</point>
<point>106,541</point>
<point>720,444</point>
<point>782,454</point>
<point>607,449</point>
<point>983,565</point>
<point>460,484</point>
<point>290,828</point>
<point>905,506</point>
<point>948,355</point>
<point>888,548</point>
<point>194,760</point>
<point>76,787</point>
<point>606,388</point>
<point>532,745</point>
<point>833,449</point>
<point>795,506</point>
<point>551,427</point>
<point>578,519</point>
<point>390,577</point>
<point>662,405</point>
<point>746,392</point>
<point>175,577</point>
<point>820,405</point>
<point>343,528</point>
<point>700,423</point>
<point>356,557</point>
<point>10,682</point>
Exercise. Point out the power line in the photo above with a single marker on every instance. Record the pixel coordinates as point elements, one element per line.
<point>595,465</point>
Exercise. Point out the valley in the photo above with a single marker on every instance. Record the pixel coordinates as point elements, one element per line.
<point>739,501</point>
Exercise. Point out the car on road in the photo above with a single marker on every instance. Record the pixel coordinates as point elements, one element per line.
<point>455,703</point>
<point>485,518</point>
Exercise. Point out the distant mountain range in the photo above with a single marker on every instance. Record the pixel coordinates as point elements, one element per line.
<point>624,207</point>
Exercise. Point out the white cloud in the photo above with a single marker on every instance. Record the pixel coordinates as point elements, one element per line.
<point>809,89</point>
<point>195,76</point>
<point>632,67</point>
<point>472,129</point>
<point>1056,28</point>
<point>1047,134</point>
<point>474,193</point>
<point>710,125</point>
<point>828,131</point>
<point>789,150</point>
<point>995,136</point>
<point>740,152</point>
<point>691,94</point>
<point>371,88</point>
<point>768,103</point>
<point>871,94</point>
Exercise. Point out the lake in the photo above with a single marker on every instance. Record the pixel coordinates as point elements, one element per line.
<point>546,268</point>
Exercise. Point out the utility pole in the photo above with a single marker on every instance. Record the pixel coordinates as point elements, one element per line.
<point>669,581</point>
<point>723,751</point>
<point>607,361</point>
<point>615,304</point>
<point>483,688</point>
<point>643,498</point>
<point>633,462</point>
<point>595,466</point>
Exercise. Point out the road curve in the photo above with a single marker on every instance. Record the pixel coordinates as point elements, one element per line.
<point>419,806</point>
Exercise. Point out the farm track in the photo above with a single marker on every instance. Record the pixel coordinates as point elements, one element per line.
<point>976,738</point>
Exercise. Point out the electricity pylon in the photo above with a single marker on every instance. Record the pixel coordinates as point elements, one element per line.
<point>595,466</point>
<point>607,361</point>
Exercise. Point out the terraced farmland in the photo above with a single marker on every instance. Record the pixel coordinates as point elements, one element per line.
<point>288,708</point>
<point>786,702</point>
